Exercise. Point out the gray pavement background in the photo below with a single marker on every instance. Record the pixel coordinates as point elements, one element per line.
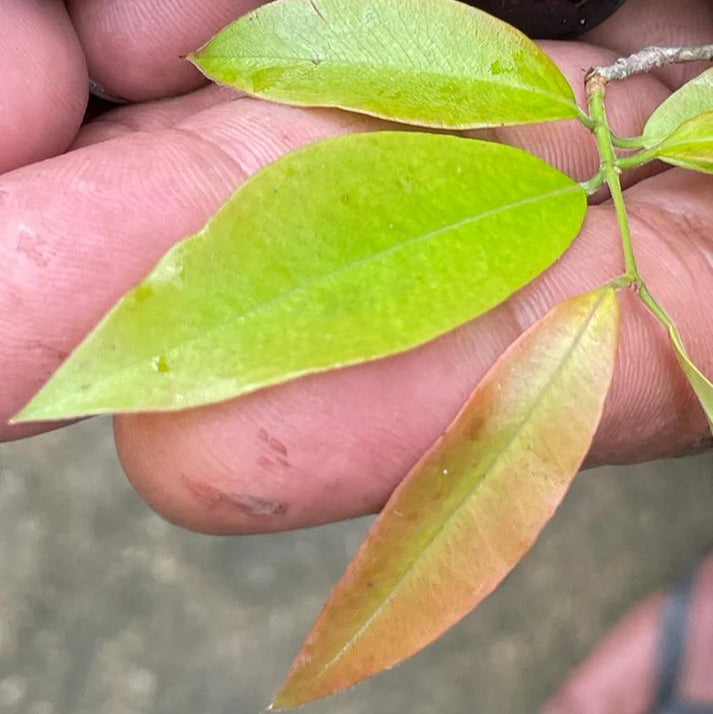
<point>107,609</point>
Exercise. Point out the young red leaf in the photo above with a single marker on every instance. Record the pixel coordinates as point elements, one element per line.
<point>472,506</point>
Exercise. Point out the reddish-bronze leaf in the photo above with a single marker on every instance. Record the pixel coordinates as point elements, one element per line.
<point>472,506</point>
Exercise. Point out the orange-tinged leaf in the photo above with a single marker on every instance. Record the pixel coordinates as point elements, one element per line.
<point>472,506</point>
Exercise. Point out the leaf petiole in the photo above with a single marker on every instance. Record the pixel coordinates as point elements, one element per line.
<point>593,184</point>
<point>701,385</point>
<point>585,119</point>
<point>627,142</point>
<point>638,159</point>
<point>655,308</point>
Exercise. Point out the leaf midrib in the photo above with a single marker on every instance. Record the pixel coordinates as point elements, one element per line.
<point>389,67</point>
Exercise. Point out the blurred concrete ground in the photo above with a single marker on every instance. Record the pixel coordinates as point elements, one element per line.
<point>106,609</point>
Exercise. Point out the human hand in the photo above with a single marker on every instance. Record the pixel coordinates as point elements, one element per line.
<point>78,230</point>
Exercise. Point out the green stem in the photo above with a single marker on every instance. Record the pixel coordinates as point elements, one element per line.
<point>610,169</point>
<point>632,269</point>
<point>638,159</point>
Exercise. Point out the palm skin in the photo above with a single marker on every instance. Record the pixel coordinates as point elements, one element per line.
<point>81,227</point>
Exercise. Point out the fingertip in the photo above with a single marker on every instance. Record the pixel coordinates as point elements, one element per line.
<point>138,51</point>
<point>212,471</point>
<point>43,88</point>
<point>312,451</point>
<point>165,461</point>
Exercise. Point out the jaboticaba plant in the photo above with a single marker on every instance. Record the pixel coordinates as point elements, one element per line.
<point>370,244</point>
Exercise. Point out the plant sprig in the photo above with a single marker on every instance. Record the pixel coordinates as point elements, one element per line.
<point>363,246</point>
<point>612,166</point>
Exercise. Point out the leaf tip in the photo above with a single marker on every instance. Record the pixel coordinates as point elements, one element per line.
<point>283,699</point>
<point>299,690</point>
<point>51,403</point>
<point>280,703</point>
<point>33,412</point>
<point>26,414</point>
<point>193,58</point>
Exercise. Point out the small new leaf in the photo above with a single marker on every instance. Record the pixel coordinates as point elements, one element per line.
<point>472,506</point>
<point>701,385</point>
<point>691,145</point>
<point>434,63</point>
<point>691,100</point>
<point>347,250</point>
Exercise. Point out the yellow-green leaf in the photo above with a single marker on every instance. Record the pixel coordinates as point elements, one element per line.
<point>345,251</point>
<point>692,99</point>
<point>472,506</point>
<point>701,385</point>
<point>691,145</point>
<point>428,62</point>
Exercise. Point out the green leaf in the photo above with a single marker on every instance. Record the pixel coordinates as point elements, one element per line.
<point>693,98</point>
<point>472,507</point>
<point>345,251</point>
<point>691,145</point>
<point>701,385</point>
<point>428,62</point>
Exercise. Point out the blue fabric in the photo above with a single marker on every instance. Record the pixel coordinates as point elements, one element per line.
<point>678,706</point>
<point>674,633</point>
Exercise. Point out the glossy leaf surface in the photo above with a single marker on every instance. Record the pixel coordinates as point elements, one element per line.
<point>472,506</point>
<point>691,145</point>
<point>428,62</point>
<point>701,385</point>
<point>344,251</point>
<point>691,100</point>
